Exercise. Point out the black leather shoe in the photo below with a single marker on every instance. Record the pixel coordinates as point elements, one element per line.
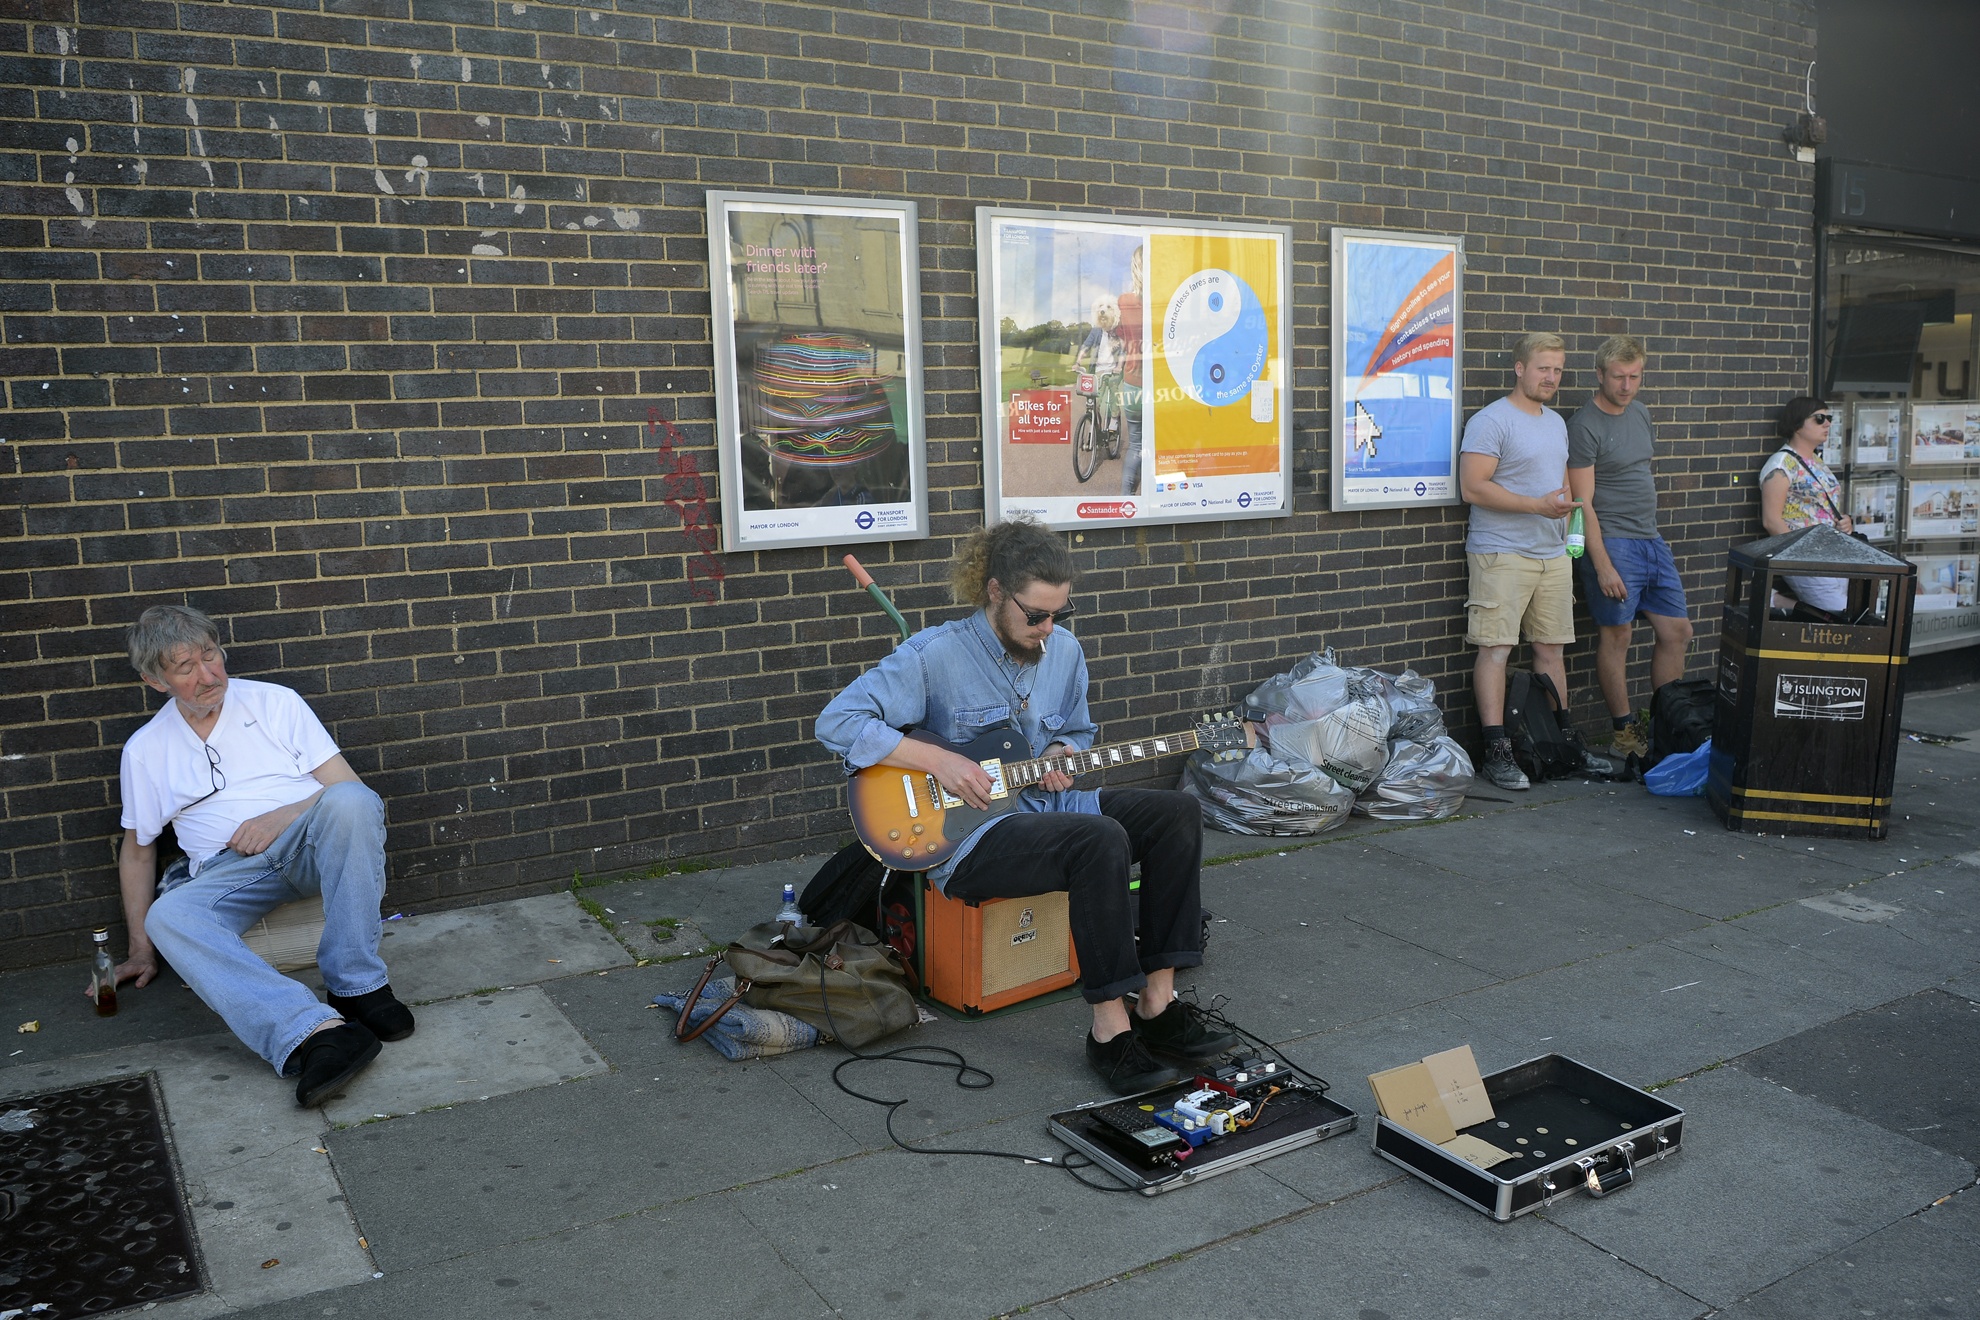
<point>331,1058</point>
<point>1179,1030</point>
<point>1125,1065</point>
<point>380,1011</point>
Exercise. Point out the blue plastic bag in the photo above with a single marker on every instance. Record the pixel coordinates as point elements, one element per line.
<point>1682,774</point>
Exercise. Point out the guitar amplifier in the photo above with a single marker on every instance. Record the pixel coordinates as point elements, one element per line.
<point>980,957</point>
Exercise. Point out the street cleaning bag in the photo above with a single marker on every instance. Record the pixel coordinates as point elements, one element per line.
<point>841,979</point>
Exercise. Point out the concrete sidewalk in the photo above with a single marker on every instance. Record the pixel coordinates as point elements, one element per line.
<point>542,1145</point>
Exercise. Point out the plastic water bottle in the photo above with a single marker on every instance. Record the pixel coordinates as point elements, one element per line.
<point>1577,536</point>
<point>789,911</point>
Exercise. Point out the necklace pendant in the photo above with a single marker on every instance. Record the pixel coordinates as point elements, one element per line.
<point>1024,705</point>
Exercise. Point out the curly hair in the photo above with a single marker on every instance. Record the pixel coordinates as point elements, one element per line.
<point>1016,552</point>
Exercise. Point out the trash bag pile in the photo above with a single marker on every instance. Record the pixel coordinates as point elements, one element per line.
<point>1334,740</point>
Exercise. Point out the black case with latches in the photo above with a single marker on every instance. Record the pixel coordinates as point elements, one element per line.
<point>1569,1128</point>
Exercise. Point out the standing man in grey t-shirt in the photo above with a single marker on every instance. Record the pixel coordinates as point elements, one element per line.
<point>1512,471</point>
<point>1628,570</point>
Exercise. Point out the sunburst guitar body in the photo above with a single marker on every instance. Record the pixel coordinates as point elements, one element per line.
<point>911,823</point>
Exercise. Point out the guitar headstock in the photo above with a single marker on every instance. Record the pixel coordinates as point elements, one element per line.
<point>1225,736</point>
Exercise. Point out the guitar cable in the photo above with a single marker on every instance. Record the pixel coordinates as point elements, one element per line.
<point>966,1075</point>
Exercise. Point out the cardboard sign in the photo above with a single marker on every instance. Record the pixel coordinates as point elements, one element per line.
<point>1435,1096</point>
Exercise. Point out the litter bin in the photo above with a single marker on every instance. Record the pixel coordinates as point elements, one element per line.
<point>1806,733</point>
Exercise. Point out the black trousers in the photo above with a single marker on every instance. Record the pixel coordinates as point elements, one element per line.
<point>1089,857</point>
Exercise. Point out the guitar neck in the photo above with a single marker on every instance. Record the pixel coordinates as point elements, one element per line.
<point>1023,774</point>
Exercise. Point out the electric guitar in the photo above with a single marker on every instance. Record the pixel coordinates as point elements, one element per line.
<point>910,822</point>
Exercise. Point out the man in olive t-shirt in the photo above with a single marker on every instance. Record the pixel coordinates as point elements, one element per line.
<point>1628,569</point>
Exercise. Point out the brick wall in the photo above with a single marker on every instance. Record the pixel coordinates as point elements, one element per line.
<point>344,320</point>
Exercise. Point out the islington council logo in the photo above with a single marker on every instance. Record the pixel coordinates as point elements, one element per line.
<point>1819,697</point>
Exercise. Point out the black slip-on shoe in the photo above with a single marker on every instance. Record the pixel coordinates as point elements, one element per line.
<point>380,1011</point>
<point>1125,1065</point>
<point>331,1058</point>
<point>1179,1030</point>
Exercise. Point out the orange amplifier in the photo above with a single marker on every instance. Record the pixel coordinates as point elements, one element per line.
<point>982,957</point>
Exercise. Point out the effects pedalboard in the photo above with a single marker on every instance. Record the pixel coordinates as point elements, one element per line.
<point>1243,1111</point>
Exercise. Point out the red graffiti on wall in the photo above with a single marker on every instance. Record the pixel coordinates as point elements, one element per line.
<point>681,487</point>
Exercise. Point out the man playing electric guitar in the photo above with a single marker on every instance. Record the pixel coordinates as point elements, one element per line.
<point>1008,664</point>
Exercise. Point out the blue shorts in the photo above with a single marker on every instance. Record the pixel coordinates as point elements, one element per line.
<point>1647,570</point>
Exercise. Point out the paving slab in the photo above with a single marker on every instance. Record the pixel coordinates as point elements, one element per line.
<point>441,1183</point>
<point>1329,972</point>
<point>1645,1014</point>
<point>442,954</point>
<point>1911,1066</point>
<point>1402,1252</point>
<point>468,1049</point>
<point>1766,1183</point>
<point>705,1261</point>
<point>1927,1264</point>
<point>1853,962</point>
<point>165,1010</point>
<point>255,1177</point>
<point>970,1237</point>
<point>1512,928</point>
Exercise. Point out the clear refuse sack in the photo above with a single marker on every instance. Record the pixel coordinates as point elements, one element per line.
<point>1423,781</point>
<point>1265,794</point>
<point>1328,733</point>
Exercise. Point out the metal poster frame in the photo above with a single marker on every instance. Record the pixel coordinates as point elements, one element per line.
<point>821,437</point>
<point>1398,328</point>
<point>1205,434</point>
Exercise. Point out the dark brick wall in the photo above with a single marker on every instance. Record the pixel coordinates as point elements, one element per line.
<point>344,320</point>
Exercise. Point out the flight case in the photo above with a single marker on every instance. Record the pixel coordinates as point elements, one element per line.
<point>1569,1128</point>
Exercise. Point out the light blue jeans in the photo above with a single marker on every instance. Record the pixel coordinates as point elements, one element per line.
<point>336,849</point>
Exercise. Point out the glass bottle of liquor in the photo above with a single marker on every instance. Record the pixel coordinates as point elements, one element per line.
<point>103,975</point>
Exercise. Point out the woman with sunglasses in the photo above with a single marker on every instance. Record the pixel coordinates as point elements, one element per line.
<point>1797,490</point>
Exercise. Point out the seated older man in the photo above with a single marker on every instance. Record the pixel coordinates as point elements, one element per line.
<point>267,811</point>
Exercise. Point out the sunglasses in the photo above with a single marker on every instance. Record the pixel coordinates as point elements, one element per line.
<point>214,777</point>
<point>1032,618</point>
<point>1822,419</point>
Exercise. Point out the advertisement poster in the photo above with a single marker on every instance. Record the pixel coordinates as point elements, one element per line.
<point>1873,505</point>
<point>818,397</point>
<point>1944,433</point>
<point>1874,433</point>
<point>1942,508</point>
<point>1397,318</point>
<point>1945,582</point>
<point>1135,369</point>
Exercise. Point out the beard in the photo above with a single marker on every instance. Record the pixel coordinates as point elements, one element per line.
<point>1025,653</point>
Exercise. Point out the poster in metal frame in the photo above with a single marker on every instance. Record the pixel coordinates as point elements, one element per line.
<point>1136,370</point>
<point>1398,339</point>
<point>818,381</point>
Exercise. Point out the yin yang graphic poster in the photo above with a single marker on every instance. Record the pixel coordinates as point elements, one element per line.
<point>1398,336</point>
<point>1135,369</point>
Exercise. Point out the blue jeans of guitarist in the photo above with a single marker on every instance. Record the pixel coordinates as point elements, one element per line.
<point>1089,857</point>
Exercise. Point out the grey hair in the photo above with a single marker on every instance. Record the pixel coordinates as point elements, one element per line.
<point>162,629</point>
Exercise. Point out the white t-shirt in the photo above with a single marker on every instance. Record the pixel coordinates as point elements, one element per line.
<point>267,740</point>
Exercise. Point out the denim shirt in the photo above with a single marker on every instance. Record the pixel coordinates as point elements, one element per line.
<point>955,681</point>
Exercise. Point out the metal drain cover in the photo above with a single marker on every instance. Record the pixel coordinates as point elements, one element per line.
<point>91,1215</point>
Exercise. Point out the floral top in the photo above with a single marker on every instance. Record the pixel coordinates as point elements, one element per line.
<point>1812,488</point>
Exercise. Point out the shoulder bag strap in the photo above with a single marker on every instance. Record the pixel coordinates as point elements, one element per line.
<point>681,1029</point>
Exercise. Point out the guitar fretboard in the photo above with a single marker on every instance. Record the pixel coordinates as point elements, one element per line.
<point>1023,774</point>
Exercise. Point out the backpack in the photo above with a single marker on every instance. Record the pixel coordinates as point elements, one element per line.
<point>846,888</point>
<point>1539,747</point>
<point>1681,716</point>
